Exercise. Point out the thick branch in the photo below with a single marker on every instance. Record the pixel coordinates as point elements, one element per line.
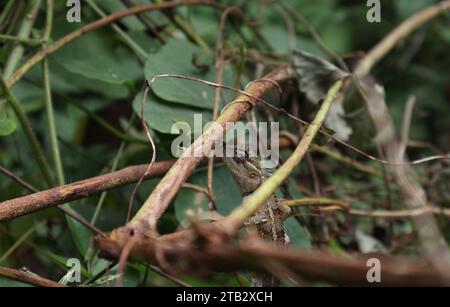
<point>187,252</point>
<point>30,203</point>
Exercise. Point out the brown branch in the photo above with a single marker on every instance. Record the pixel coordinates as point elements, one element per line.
<point>400,32</point>
<point>160,198</point>
<point>91,186</point>
<point>30,203</point>
<point>28,278</point>
<point>98,24</point>
<point>65,210</point>
<point>204,250</point>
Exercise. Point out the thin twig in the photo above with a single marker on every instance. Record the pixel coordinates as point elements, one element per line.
<point>220,61</point>
<point>149,167</point>
<point>253,100</point>
<point>27,277</point>
<point>66,211</point>
<point>339,204</point>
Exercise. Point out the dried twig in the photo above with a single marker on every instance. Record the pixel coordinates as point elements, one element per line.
<point>339,204</point>
<point>65,210</point>
<point>13,208</point>
<point>29,278</point>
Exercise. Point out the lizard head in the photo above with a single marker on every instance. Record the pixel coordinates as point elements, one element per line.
<point>246,170</point>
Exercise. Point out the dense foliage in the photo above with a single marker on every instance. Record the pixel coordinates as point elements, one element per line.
<point>96,84</point>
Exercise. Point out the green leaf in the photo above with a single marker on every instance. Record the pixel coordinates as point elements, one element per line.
<point>7,126</point>
<point>226,194</point>
<point>107,67</point>
<point>80,234</point>
<point>297,234</point>
<point>176,57</point>
<point>106,73</point>
<point>58,260</point>
<point>162,115</point>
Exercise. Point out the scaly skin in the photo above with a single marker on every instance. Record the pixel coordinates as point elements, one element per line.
<point>249,175</point>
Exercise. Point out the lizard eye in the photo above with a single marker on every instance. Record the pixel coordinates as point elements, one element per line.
<point>252,175</point>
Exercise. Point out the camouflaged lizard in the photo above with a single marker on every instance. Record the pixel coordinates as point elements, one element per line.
<point>249,175</point>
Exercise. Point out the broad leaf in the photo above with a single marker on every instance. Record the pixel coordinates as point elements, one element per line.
<point>191,204</point>
<point>7,126</point>
<point>162,115</point>
<point>177,57</point>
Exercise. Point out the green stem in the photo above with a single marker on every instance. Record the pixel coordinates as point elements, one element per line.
<point>98,24</point>
<point>251,203</point>
<point>308,202</point>
<point>190,33</point>
<point>28,41</point>
<point>187,29</point>
<point>51,124</point>
<point>6,11</point>
<point>102,198</point>
<point>127,39</point>
<point>29,132</point>
<point>49,101</point>
<point>48,22</point>
<point>24,32</point>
